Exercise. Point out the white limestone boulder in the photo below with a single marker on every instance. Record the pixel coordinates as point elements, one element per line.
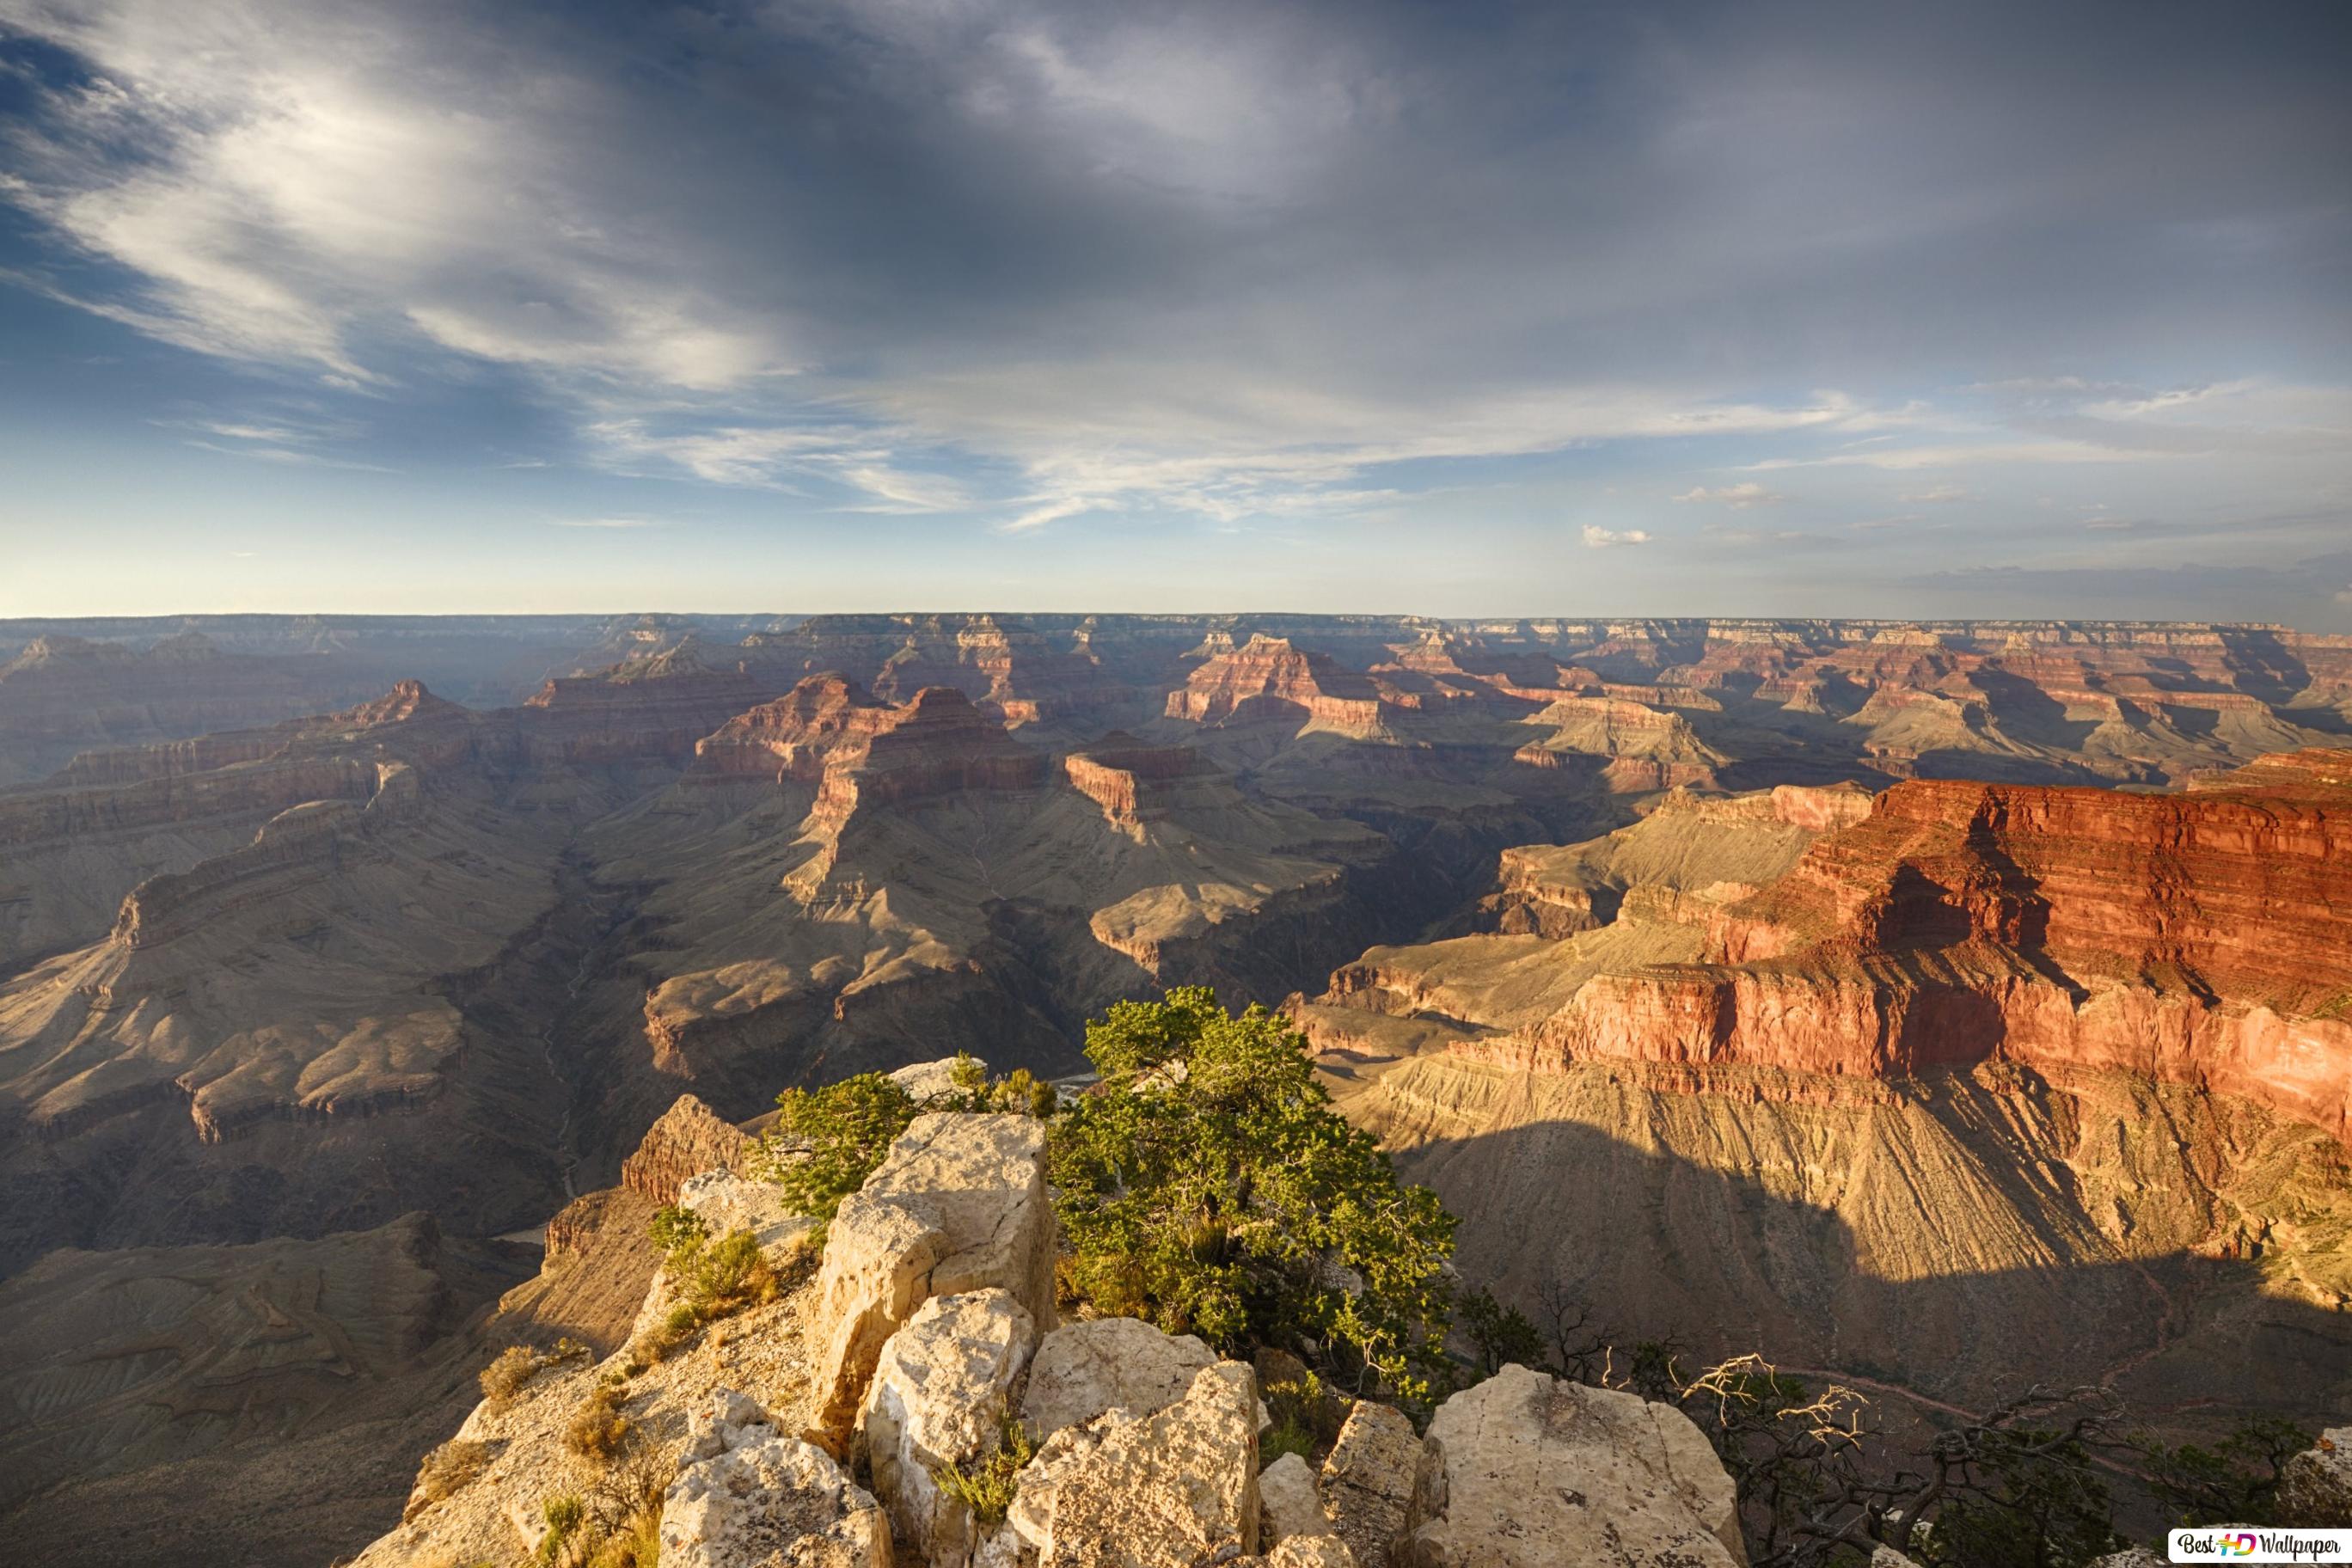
<point>1172,1489</point>
<point>960,1205</point>
<point>938,1399</point>
<point>771,1501</point>
<point>2316,1486</point>
<point>929,1081</point>
<point>1294,1505</point>
<point>1084,1369</point>
<point>1527,1471</point>
<point>1369,1479</point>
<point>728,1203</point>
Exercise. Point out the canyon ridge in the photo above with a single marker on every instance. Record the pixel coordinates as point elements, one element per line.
<point>1937,1007</point>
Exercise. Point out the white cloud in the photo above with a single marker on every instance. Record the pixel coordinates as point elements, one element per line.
<point>900,490</point>
<point>855,458</point>
<point>357,174</point>
<point>1905,459</point>
<point>1113,435</point>
<point>1938,496</point>
<point>288,456</point>
<point>1738,497</point>
<point>1609,538</point>
<point>608,522</point>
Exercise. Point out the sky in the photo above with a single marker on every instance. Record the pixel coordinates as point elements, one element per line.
<point>1457,309</point>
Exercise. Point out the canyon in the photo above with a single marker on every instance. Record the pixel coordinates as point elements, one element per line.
<point>1888,996</point>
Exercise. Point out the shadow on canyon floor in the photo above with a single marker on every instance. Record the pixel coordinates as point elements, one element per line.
<point>1941,1276</point>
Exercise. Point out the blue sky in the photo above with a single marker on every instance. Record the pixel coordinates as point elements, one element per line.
<point>1463,310</point>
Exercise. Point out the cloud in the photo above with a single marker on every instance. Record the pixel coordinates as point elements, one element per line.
<point>900,490</point>
<point>1953,455</point>
<point>1738,497</point>
<point>290,458</point>
<point>1597,538</point>
<point>1783,539</point>
<point>1042,265</point>
<point>856,458</point>
<point>608,522</point>
<point>362,175</point>
<point>1941,495</point>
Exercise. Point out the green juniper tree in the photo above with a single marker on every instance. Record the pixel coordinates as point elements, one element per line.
<point>826,1141</point>
<point>1206,1184</point>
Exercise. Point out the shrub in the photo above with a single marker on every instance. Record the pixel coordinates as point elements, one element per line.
<point>1206,1186</point>
<point>2040,1503</point>
<point>1307,1416</point>
<point>728,1276</point>
<point>445,1470</point>
<point>715,1278</point>
<point>517,1364</point>
<point>599,1430</point>
<point>1288,1435</point>
<point>678,1232</point>
<point>675,1328</point>
<point>990,1487</point>
<point>1021,1092</point>
<point>563,1515</point>
<point>1502,1334</point>
<point>637,1546</point>
<point>826,1141</point>
<point>624,1512</point>
<point>2233,1482</point>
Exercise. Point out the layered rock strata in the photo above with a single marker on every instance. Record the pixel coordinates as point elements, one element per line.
<point>2202,939</point>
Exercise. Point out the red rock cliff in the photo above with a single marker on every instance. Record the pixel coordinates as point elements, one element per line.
<point>2202,938</point>
<point>1269,677</point>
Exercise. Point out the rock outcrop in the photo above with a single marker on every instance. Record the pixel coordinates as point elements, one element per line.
<point>2202,939</point>
<point>764,1498</point>
<point>1293,1502</point>
<point>1270,679</point>
<point>643,710</point>
<point>687,1140</point>
<point>1527,1471</point>
<point>1169,1490</point>
<point>959,1205</point>
<point>1799,1062</point>
<point>1368,1480</point>
<point>938,1400</point>
<point>2314,1490</point>
<point>1141,1449</point>
<point>1643,748</point>
<point>1084,1369</point>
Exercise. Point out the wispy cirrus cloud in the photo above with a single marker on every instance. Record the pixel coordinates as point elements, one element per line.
<point>863,462</point>
<point>1738,497</point>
